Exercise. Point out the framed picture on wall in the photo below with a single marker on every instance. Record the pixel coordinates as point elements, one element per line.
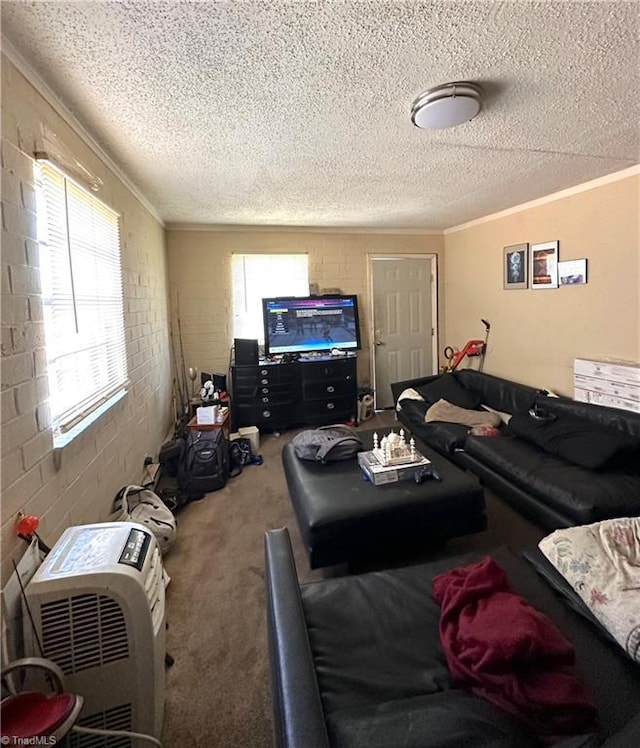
<point>572,272</point>
<point>543,269</point>
<point>515,265</point>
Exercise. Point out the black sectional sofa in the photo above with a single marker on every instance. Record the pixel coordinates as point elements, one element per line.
<point>356,661</point>
<point>557,461</point>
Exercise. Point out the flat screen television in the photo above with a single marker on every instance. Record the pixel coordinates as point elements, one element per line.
<point>302,324</point>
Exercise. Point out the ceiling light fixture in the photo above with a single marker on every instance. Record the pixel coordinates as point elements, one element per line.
<point>447,105</point>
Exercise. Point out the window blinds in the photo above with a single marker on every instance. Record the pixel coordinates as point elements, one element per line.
<point>81,275</point>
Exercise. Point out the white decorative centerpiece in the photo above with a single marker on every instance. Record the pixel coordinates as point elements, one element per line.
<point>393,449</point>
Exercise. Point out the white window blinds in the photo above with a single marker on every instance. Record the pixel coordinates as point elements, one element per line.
<point>81,275</point>
<point>263,276</point>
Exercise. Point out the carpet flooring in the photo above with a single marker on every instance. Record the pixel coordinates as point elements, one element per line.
<point>217,691</point>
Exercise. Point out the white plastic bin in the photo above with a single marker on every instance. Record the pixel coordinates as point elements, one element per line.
<point>365,408</point>
<point>252,433</point>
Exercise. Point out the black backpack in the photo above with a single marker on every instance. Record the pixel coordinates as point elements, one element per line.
<point>205,465</point>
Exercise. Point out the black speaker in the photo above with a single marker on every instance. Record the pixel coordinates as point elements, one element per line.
<point>220,382</point>
<point>246,351</point>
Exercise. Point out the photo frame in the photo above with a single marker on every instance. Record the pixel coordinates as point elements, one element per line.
<point>515,265</point>
<point>572,272</point>
<point>543,265</point>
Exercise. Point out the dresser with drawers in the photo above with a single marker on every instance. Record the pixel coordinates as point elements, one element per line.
<point>278,395</point>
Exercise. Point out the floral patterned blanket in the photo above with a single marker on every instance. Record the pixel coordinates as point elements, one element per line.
<point>602,563</point>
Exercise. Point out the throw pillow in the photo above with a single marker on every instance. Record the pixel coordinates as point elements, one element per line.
<point>601,562</point>
<point>449,413</point>
<point>447,387</point>
<point>578,440</point>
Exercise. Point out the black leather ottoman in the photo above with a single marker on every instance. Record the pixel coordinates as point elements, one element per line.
<point>343,518</point>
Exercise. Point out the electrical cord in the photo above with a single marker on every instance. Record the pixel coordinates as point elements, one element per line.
<point>117,734</point>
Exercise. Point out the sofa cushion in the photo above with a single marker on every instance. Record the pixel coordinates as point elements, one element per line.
<point>439,435</point>
<point>446,719</point>
<point>578,440</point>
<point>448,388</point>
<point>578,493</point>
<point>364,632</point>
<point>449,413</point>
<point>498,393</point>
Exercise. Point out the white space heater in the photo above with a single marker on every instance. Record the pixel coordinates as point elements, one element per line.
<point>98,605</point>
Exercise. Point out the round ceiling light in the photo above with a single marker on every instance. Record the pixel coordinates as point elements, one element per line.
<point>447,106</point>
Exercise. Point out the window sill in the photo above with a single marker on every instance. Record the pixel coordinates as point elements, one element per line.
<point>60,441</point>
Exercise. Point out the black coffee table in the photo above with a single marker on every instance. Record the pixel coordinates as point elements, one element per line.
<point>343,518</point>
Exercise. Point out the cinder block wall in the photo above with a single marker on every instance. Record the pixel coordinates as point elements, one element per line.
<point>110,453</point>
<point>201,289</point>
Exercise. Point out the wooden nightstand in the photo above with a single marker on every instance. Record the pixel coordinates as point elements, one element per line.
<point>223,424</point>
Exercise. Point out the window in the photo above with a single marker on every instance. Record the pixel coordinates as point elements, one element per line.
<point>81,276</point>
<point>259,276</point>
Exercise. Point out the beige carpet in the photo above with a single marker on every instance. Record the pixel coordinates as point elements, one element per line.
<point>217,691</point>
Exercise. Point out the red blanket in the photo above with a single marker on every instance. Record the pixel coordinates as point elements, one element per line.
<point>509,653</point>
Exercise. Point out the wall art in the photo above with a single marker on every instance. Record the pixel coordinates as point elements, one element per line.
<point>515,265</point>
<point>544,265</point>
<point>572,272</point>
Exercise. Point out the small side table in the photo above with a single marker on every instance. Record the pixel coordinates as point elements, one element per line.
<point>223,425</point>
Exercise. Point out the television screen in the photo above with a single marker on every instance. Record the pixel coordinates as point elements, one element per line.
<point>310,323</point>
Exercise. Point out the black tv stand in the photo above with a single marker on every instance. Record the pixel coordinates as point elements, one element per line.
<point>314,390</point>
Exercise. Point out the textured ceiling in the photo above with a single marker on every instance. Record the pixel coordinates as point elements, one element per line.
<point>298,113</point>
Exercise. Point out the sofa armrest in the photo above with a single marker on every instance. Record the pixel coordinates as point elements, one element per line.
<point>398,387</point>
<point>297,711</point>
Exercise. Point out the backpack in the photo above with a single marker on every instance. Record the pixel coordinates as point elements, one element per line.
<point>171,455</point>
<point>205,464</point>
<point>327,443</point>
<point>142,505</point>
<point>241,454</point>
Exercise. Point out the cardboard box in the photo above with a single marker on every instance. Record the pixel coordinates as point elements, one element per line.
<point>379,474</point>
<point>610,401</point>
<point>607,387</point>
<point>623,372</point>
<point>612,383</point>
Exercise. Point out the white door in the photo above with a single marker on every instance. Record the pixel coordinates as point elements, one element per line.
<point>404,322</point>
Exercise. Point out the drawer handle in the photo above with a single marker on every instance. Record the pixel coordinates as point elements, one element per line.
<point>266,414</point>
<point>265,390</point>
<point>330,406</point>
<point>265,399</point>
<point>331,388</point>
<point>263,372</point>
<point>264,381</point>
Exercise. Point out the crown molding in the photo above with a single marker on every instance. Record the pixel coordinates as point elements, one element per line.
<point>271,229</point>
<point>561,195</point>
<point>52,98</point>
